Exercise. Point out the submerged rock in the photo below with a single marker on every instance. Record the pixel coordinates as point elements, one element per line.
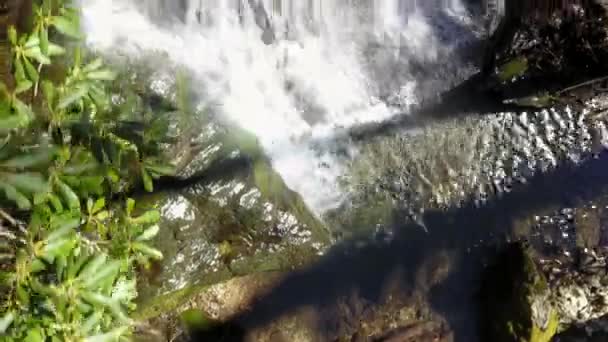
<point>516,300</point>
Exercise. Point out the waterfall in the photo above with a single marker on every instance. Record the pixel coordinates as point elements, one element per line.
<point>296,72</point>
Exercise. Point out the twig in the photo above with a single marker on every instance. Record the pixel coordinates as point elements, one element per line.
<point>8,217</point>
<point>595,80</point>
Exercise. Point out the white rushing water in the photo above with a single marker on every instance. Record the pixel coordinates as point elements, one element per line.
<point>294,73</point>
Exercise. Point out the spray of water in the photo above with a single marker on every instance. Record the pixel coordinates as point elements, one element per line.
<point>291,72</point>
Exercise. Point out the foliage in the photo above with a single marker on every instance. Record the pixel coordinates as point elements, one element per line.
<point>70,239</point>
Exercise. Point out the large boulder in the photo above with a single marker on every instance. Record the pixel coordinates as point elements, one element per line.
<point>516,300</point>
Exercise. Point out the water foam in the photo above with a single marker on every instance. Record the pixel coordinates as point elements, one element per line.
<point>311,81</point>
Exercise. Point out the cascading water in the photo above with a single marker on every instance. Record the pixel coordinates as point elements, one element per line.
<point>295,73</point>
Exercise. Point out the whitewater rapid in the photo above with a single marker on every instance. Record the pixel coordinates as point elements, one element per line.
<point>331,66</point>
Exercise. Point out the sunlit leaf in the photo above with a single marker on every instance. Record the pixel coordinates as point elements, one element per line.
<point>149,217</point>
<point>108,270</point>
<point>44,41</point>
<point>6,321</point>
<point>147,250</point>
<point>55,50</point>
<point>36,53</point>
<point>30,182</point>
<point>68,194</point>
<point>23,86</point>
<point>66,27</point>
<point>14,195</point>
<point>149,233</point>
<point>12,35</point>
<point>32,73</point>
<point>72,96</point>
<point>102,75</point>
<point>148,184</point>
<point>112,336</point>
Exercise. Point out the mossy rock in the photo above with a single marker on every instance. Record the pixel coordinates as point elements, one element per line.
<point>516,300</point>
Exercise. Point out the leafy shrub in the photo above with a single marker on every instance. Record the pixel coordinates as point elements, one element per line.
<point>70,238</point>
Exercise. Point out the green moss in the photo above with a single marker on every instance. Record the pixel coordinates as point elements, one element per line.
<point>510,289</point>
<point>196,320</point>
<point>514,68</point>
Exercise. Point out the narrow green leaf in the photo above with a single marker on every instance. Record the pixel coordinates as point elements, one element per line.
<point>27,160</point>
<point>102,75</point>
<point>37,266</point>
<point>94,65</point>
<point>14,195</point>
<point>72,96</point>
<point>24,110</point>
<point>12,35</point>
<point>149,217</point>
<point>68,194</point>
<point>36,53</point>
<point>32,73</point>
<point>49,93</point>
<point>164,170</point>
<point>62,226</point>
<point>108,270</point>
<point>112,336</point>
<point>22,295</point>
<point>27,181</point>
<point>6,321</point>
<point>92,266</point>
<point>32,41</point>
<point>19,70</point>
<point>55,50</point>
<point>66,27</point>
<point>130,206</point>
<point>149,233</point>
<point>148,184</point>
<point>55,202</point>
<point>147,250</point>
<point>34,335</point>
<point>59,246</point>
<point>44,41</point>
<point>23,86</point>
<point>91,322</point>
<point>99,204</point>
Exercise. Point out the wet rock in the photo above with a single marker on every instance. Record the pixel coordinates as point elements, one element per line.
<point>516,299</point>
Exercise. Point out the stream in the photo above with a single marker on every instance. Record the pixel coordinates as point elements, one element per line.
<point>296,171</point>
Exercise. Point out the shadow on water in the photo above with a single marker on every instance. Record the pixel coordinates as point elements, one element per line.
<point>470,235</point>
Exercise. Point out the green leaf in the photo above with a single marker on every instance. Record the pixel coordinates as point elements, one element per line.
<point>149,233</point>
<point>49,93</point>
<point>62,226</point>
<point>112,336</point>
<point>27,160</point>
<point>19,70</point>
<point>66,27</point>
<point>148,184</point>
<point>147,250</point>
<point>94,65</point>
<point>92,266</point>
<point>106,272</point>
<point>32,41</point>
<point>32,73</point>
<point>164,170</point>
<point>149,217</point>
<point>34,335</point>
<point>30,182</point>
<point>37,266</point>
<point>72,96</point>
<point>55,202</point>
<point>58,247</point>
<point>102,75</point>
<point>130,206</point>
<point>36,53</point>
<point>99,204</point>
<point>23,86</point>
<point>14,195</point>
<point>68,194</point>
<point>44,41</point>
<point>55,50</point>
<point>12,35</point>
<point>24,110</point>
<point>6,321</point>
